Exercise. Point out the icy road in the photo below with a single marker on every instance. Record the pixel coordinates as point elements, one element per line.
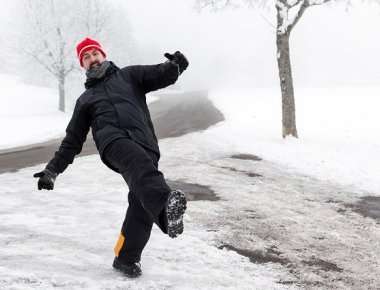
<point>251,224</point>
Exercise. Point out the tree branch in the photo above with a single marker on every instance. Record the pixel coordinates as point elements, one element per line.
<point>317,2</point>
<point>285,3</point>
<point>296,3</point>
<point>306,4</point>
<point>70,69</point>
<point>300,12</point>
<point>40,61</point>
<point>215,4</point>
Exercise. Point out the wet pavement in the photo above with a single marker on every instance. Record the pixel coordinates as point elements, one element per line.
<point>246,157</point>
<point>367,206</point>
<point>173,115</point>
<point>194,191</point>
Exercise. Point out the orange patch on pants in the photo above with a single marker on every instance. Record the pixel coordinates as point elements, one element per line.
<point>119,244</point>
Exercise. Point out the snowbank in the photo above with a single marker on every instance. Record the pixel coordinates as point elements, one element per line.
<point>338,129</point>
<point>28,114</point>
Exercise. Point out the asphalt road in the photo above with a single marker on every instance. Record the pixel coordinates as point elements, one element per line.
<point>173,115</point>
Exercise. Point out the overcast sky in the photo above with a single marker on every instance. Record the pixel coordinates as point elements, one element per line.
<point>329,46</point>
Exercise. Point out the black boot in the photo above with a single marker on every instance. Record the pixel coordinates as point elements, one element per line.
<point>131,270</point>
<point>175,209</point>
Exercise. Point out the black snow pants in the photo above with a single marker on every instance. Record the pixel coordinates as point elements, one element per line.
<point>148,193</point>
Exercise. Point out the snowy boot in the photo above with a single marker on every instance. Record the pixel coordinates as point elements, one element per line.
<point>175,209</point>
<point>131,270</point>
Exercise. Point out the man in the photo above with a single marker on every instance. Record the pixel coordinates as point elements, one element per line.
<point>114,106</point>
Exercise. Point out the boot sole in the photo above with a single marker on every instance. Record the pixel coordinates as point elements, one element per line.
<point>175,210</point>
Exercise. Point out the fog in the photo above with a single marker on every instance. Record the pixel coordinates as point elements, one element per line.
<point>332,45</point>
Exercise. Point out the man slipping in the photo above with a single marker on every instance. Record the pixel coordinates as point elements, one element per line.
<point>114,106</point>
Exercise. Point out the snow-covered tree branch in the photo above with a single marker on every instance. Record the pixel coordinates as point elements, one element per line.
<point>52,34</point>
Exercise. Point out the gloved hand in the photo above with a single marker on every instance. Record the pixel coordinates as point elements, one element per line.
<point>46,179</point>
<point>179,59</point>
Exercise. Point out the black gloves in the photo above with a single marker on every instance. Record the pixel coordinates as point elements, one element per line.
<point>179,59</point>
<point>47,178</point>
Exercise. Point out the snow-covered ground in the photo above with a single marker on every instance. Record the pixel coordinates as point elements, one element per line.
<point>339,128</point>
<point>303,223</point>
<point>28,114</point>
<point>297,228</point>
<point>64,239</point>
<point>339,131</point>
<point>293,216</point>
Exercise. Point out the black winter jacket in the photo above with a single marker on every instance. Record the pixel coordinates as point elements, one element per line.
<point>114,107</point>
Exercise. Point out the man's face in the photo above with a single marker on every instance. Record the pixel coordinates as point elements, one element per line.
<point>92,58</point>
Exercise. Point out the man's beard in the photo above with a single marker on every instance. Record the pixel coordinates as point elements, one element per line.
<point>95,64</point>
<point>97,71</point>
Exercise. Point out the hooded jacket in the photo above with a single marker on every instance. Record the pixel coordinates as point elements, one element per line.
<point>114,107</point>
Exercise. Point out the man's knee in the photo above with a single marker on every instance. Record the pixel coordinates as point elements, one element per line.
<point>137,212</point>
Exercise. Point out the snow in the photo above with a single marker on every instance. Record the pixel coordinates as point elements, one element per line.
<point>298,205</point>
<point>303,218</point>
<point>64,238</point>
<point>67,241</point>
<point>338,129</point>
<point>28,114</point>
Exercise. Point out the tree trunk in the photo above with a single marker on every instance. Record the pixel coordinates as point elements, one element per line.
<point>286,83</point>
<point>61,91</point>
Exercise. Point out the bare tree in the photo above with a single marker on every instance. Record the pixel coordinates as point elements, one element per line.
<point>288,14</point>
<point>53,29</point>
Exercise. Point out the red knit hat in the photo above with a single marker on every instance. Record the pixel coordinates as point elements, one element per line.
<point>87,44</point>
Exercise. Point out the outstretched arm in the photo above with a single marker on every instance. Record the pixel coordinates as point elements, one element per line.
<point>158,76</point>
<point>76,133</point>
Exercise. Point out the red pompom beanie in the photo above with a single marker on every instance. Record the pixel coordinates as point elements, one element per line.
<point>87,44</point>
